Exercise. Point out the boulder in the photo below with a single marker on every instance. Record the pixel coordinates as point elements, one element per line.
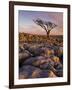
<point>60,73</point>
<point>58,66</point>
<point>55,59</point>
<point>56,48</point>
<point>36,73</point>
<point>47,51</point>
<point>23,56</point>
<point>43,63</point>
<point>39,61</point>
<point>61,59</point>
<point>51,74</point>
<point>31,60</point>
<point>21,49</point>
<point>35,51</point>
<point>23,75</point>
<point>60,51</point>
<point>44,74</point>
<point>26,46</point>
<point>28,71</point>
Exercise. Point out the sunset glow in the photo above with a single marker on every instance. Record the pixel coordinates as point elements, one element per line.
<point>27,25</point>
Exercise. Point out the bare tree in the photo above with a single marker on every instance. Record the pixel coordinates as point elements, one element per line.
<point>47,26</point>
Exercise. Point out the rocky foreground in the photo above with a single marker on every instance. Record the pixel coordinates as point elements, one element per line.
<point>40,60</point>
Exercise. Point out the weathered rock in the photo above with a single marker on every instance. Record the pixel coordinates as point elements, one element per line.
<point>61,58</point>
<point>21,49</point>
<point>44,74</point>
<point>23,75</point>
<point>26,46</point>
<point>59,69</point>
<point>32,59</point>
<point>40,60</point>
<point>36,51</point>
<point>43,63</point>
<point>58,51</point>
<point>28,71</point>
<point>51,74</point>
<point>55,59</point>
<point>61,50</point>
<point>55,48</point>
<point>58,66</point>
<point>47,51</point>
<point>23,56</point>
<point>60,73</point>
<point>36,73</point>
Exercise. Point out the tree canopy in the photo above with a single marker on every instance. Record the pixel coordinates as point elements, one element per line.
<point>46,25</point>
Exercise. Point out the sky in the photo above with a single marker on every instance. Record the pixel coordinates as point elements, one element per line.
<point>27,25</point>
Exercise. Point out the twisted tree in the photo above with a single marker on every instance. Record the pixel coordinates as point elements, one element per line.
<point>47,26</point>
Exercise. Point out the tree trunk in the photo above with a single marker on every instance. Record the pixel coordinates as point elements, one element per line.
<point>48,34</point>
